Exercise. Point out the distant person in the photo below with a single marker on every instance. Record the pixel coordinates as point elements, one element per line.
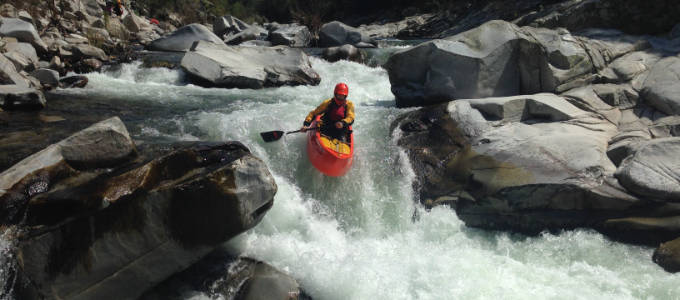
<point>118,8</point>
<point>337,114</point>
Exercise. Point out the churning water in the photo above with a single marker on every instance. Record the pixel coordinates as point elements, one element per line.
<point>362,236</point>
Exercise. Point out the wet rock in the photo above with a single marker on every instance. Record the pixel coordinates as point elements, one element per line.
<point>15,97</point>
<point>661,89</point>
<point>668,256</point>
<point>225,276</point>
<point>653,170</point>
<point>644,230</point>
<point>248,67</point>
<point>183,38</point>
<point>76,81</point>
<point>23,31</point>
<point>291,35</point>
<point>228,25</point>
<point>346,52</point>
<point>337,34</point>
<point>147,220</point>
<point>524,163</point>
<point>46,76</point>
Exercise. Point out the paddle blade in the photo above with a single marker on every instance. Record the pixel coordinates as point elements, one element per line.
<point>271,136</point>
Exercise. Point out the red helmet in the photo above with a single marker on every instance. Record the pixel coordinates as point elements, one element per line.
<point>341,89</point>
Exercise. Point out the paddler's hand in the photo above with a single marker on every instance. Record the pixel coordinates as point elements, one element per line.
<point>304,128</point>
<point>338,125</point>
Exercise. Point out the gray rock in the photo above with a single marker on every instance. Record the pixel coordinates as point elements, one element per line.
<point>9,74</point>
<point>98,23</point>
<point>668,256</point>
<point>25,49</point>
<point>183,38</point>
<point>135,24</point>
<point>256,43</point>
<point>15,97</point>
<point>249,34</point>
<point>92,8</point>
<point>20,61</point>
<point>661,88</point>
<point>8,10</point>
<point>82,51</point>
<point>526,163</point>
<point>346,52</point>
<point>495,59</point>
<point>55,63</point>
<point>24,15</point>
<point>337,34</point>
<point>619,96</point>
<point>653,171</point>
<point>47,76</point>
<point>23,31</point>
<point>291,35</point>
<point>228,25</point>
<point>248,67</point>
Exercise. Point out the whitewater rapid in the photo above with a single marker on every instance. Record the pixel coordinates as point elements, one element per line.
<point>363,236</point>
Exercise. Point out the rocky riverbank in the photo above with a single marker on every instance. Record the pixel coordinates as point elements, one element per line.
<point>545,121</point>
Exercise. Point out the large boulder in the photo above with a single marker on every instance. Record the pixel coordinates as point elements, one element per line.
<point>662,86</point>
<point>26,50</point>
<point>526,163</point>
<point>99,223</point>
<point>183,38</point>
<point>291,35</point>
<point>668,256</point>
<point>248,67</point>
<point>498,59</point>
<point>17,97</point>
<point>337,34</point>
<point>84,51</point>
<point>9,74</point>
<point>653,170</point>
<point>47,76</point>
<point>23,31</point>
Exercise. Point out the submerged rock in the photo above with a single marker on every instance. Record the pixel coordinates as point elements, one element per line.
<point>347,52</point>
<point>248,67</point>
<point>184,38</point>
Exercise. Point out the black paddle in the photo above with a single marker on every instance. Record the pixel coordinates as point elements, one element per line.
<point>275,135</point>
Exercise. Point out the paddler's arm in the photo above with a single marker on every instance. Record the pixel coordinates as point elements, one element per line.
<point>349,115</point>
<point>320,109</point>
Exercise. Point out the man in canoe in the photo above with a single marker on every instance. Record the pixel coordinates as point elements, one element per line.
<point>337,114</point>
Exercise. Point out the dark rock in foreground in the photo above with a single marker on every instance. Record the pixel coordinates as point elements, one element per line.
<point>98,223</point>
<point>248,67</point>
<point>220,275</point>
<point>668,256</point>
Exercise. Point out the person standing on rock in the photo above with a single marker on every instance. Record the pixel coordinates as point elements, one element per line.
<point>337,114</point>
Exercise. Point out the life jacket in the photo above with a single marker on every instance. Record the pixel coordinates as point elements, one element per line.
<point>335,112</point>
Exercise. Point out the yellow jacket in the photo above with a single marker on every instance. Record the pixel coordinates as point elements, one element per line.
<point>349,112</point>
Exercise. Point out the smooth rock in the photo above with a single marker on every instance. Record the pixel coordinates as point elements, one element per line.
<point>23,31</point>
<point>668,256</point>
<point>661,89</point>
<point>24,49</point>
<point>248,67</point>
<point>184,38</point>
<point>337,34</point>
<point>291,35</point>
<point>83,51</point>
<point>15,97</point>
<point>653,171</point>
<point>46,76</point>
<point>9,74</point>
<point>249,34</point>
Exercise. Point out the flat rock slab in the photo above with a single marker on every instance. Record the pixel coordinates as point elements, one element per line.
<point>662,87</point>
<point>248,67</point>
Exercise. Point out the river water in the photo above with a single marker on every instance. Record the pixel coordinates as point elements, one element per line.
<point>363,236</point>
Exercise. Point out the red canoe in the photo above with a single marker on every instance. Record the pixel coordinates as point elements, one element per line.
<point>329,156</point>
